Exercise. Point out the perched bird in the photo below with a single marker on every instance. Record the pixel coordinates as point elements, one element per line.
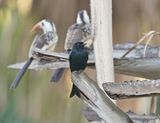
<point>78,61</point>
<point>80,31</point>
<point>45,39</point>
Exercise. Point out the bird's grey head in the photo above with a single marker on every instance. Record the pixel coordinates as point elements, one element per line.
<point>82,17</point>
<point>45,25</point>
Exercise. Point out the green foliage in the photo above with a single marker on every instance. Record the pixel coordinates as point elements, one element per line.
<point>8,115</point>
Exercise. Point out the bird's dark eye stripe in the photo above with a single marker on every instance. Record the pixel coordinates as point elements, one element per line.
<point>49,21</point>
<point>52,24</point>
<point>82,16</point>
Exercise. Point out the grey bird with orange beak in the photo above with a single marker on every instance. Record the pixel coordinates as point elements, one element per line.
<point>45,39</point>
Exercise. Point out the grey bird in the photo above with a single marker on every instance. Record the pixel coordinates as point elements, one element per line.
<point>80,31</point>
<point>45,39</point>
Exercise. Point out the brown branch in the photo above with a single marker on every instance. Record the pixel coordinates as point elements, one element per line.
<point>42,65</point>
<point>146,67</point>
<point>150,118</point>
<point>130,89</point>
<point>96,99</point>
<point>140,67</point>
<point>48,55</point>
<point>49,60</point>
<point>134,64</point>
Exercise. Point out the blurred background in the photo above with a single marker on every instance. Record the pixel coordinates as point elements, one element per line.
<point>36,100</point>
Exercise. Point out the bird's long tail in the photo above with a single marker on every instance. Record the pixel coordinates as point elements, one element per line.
<point>21,73</point>
<point>74,91</point>
<point>57,75</point>
<point>58,72</point>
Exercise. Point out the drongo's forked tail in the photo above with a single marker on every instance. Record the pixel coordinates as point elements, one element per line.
<point>21,73</point>
<point>75,91</point>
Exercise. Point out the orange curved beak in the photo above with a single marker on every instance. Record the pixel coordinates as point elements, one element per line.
<point>37,27</point>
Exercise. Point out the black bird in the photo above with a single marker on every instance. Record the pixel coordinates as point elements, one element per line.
<point>78,61</point>
<point>80,31</point>
<point>46,39</point>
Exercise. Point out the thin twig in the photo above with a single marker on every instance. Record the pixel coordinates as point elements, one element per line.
<point>139,41</point>
<point>149,39</point>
